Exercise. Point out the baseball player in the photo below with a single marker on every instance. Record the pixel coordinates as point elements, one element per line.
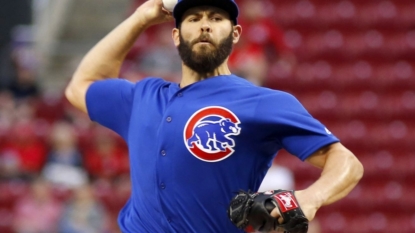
<point>193,145</point>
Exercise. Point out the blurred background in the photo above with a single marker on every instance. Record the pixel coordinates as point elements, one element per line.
<point>350,62</point>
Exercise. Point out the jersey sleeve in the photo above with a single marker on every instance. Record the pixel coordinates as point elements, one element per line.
<point>109,103</point>
<point>294,128</point>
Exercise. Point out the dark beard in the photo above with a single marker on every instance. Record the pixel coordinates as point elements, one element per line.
<point>207,59</point>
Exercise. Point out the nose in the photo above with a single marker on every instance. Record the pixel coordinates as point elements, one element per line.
<point>205,27</point>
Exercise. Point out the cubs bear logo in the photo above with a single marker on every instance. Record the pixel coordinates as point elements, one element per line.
<point>208,133</point>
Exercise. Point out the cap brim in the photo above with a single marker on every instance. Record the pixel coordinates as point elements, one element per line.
<point>183,6</point>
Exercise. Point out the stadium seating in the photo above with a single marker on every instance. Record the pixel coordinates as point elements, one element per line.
<point>356,74</point>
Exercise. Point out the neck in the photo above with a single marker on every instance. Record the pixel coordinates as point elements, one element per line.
<point>190,76</point>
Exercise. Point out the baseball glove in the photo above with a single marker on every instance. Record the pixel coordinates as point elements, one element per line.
<point>252,210</point>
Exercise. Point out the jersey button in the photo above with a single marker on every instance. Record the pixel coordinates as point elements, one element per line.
<point>168,119</point>
<point>169,219</point>
<point>179,94</point>
<point>162,186</point>
<point>163,153</point>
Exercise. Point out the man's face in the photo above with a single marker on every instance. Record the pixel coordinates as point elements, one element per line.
<point>206,38</point>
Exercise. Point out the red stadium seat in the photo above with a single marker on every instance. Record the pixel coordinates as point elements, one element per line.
<point>333,222</point>
<point>378,162</point>
<point>356,74</point>
<point>6,221</point>
<point>406,16</point>
<point>10,192</point>
<point>405,164</point>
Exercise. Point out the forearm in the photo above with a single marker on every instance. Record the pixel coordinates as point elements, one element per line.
<point>341,172</point>
<point>104,60</point>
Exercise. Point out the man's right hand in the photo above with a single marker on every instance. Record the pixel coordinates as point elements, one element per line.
<point>152,12</point>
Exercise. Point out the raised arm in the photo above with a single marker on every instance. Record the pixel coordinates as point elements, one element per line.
<point>104,60</point>
<point>341,172</point>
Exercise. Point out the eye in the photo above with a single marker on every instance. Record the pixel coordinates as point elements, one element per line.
<point>193,19</point>
<point>217,18</point>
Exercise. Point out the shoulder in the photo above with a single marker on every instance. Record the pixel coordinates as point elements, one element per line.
<point>242,82</point>
<point>126,87</point>
<point>265,95</point>
<point>278,101</point>
<point>151,84</point>
<point>271,95</point>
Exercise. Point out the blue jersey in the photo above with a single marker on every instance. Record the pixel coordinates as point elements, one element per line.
<point>192,148</point>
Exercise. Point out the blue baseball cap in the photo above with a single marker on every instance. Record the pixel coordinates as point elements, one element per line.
<point>229,6</point>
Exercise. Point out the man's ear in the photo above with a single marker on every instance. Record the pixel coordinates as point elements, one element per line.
<point>176,36</point>
<point>237,31</point>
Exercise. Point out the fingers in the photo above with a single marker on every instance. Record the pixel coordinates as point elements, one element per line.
<point>168,15</point>
<point>158,2</point>
<point>280,220</point>
<point>166,11</point>
<point>276,214</point>
<point>152,12</point>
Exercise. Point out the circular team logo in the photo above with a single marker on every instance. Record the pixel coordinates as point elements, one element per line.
<point>208,133</point>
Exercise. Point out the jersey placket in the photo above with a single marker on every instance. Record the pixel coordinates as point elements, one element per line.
<point>165,153</point>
